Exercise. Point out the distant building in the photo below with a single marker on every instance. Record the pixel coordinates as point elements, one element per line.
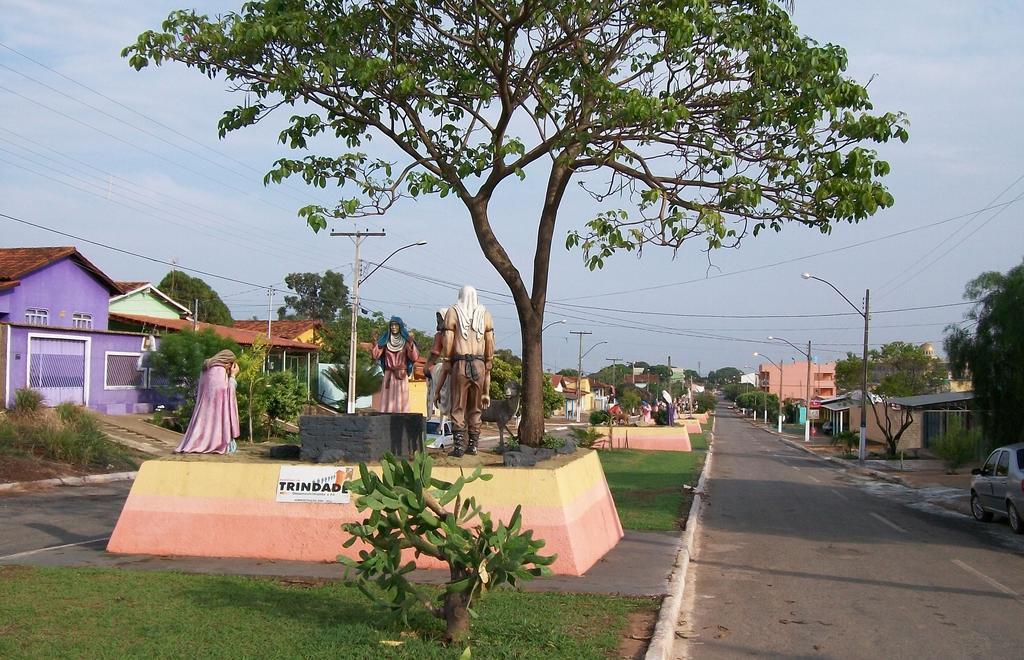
<point>306,331</point>
<point>794,380</point>
<point>144,298</point>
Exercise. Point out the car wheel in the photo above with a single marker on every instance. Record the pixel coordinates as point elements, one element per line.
<point>977,510</point>
<point>1016,524</point>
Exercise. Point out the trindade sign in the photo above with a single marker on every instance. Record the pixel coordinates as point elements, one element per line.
<point>317,484</point>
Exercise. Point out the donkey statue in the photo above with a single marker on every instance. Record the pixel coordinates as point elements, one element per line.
<point>502,411</point>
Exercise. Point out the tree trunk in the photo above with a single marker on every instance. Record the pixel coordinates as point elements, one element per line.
<point>531,424</point>
<point>456,617</point>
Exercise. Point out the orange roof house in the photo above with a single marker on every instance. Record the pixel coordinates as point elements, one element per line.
<point>306,330</point>
<point>240,336</point>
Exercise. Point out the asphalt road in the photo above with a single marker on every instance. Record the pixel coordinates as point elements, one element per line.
<point>59,516</point>
<point>796,558</point>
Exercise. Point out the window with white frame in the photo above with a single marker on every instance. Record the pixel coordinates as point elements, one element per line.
<point>37,316</point>
<point>81,321</point>
<point>123,371</point>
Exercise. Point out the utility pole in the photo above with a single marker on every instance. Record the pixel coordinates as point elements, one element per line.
<point>807,423</point>
<point>357,236</point>
<point>579,372</point>
<point>862,449</point>
<point>270,310</point>
<point>195,314</point>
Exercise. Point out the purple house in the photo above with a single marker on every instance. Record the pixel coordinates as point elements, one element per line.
<point>54,335</point>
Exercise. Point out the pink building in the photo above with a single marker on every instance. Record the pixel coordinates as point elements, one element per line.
<point>794,379</point>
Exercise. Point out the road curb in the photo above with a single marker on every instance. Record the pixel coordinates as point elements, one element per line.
<point>70,481</point>
<point>663,640</point>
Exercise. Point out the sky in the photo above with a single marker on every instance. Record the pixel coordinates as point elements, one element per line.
<point>90,147</point>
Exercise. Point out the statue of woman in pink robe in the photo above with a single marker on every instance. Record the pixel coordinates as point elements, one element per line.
<point>214,424</point>
<point>397,354</point>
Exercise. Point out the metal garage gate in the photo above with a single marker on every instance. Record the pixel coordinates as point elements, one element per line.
<point>57,369</point>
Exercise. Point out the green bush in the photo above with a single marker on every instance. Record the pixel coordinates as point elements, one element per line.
<point>957,446</point>
<point>600,417</point>
<point>705,402</point>
<point>586,437</point>
<point>551,442</point>
<point>846,439</point>
<point>27,402</point>
<point>285,397</point>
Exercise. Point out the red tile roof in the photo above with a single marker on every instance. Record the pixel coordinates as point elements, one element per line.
<point>238,335</point>
<point>286,329</point>
<point>15,263</point>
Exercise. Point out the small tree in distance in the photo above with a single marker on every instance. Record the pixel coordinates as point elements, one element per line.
<point>710,121</point>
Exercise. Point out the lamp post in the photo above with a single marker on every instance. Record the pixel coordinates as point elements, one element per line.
<point>579,377</point>
<point>866,313</point>
<point>777,364</point>
<point>350,398</point>
<point>553,323</point>
<point>807,397</point>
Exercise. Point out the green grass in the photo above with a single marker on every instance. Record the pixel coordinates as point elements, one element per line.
<point>647,486</point>
<point>699,441</point>
<point>91,613</point>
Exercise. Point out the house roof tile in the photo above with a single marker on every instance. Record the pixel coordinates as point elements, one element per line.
<point>240,336</point>
<point>288,329</point>
<point>15,263</point>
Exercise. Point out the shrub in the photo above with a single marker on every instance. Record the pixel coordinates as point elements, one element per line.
<point>847,439</point>
<point>70,434</point>
<point>285,397</point>
<point>408,508</point>
<point>705,402</point>
<point>551,442</point>
<point>586,437</point>
<point>600,417</point>
<point>27,402</point>
<point>956,446</point>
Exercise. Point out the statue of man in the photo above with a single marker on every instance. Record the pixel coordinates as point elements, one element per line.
<point>469,347</point>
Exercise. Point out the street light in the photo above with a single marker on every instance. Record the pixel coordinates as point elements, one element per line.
<point>756,354</point>
<point>807,398</point>
<point>416,244</point>
<point>579,378</point>
<point>350,396</point>
<point>862,449</point>
<point>553,323</point>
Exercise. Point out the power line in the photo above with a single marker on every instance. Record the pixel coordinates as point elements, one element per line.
<point>131,253</point>
<point>783,262</point>
<point>91,170</point>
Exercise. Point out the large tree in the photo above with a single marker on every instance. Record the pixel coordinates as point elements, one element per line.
<point>897,369</point>
<point>188,290</point>
<point>707,120</point>
<point>317,296</point>
<point>992,352</point>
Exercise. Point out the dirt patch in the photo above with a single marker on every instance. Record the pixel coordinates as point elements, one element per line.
<point>26,468</point>
<point>637,637</point>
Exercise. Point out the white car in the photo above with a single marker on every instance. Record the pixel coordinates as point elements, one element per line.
<point>439,435</point>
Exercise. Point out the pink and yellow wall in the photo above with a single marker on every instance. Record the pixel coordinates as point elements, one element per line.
<point>224,509</point>
<point>652,438</point>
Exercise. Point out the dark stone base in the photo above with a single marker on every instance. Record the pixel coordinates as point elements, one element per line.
<point>360,438</point>
<point>285,452</point>
<point>525,456</point>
